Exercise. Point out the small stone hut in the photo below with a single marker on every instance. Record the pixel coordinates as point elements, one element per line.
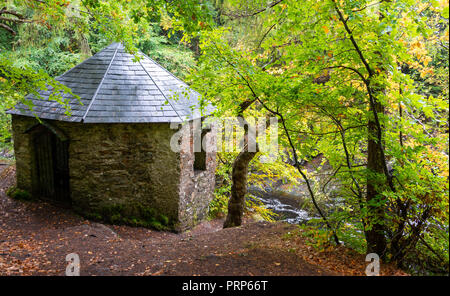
<point>111,159</point>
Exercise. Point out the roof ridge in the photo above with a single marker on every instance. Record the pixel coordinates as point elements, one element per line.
<point>100,84</point>
<point>160,89</point>
<point>170,73</point>
<point>174,76</point>
<point>116,88</point>
<point>68,71</point>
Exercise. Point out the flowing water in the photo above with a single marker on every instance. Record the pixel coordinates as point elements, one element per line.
<point>287,207</point>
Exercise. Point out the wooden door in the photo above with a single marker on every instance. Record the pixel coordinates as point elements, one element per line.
<point>52,166</point>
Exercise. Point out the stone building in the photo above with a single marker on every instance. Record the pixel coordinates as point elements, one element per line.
<point>111,159</point>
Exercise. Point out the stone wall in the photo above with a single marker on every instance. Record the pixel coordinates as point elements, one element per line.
<point>22,152</point>
<point>118,172</point>
<point>126,172</point>
<point>196,187</point>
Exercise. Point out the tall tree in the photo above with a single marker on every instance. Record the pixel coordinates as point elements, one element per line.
<point>330,72</point>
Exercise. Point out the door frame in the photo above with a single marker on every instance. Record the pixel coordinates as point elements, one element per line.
<point>35,131</point>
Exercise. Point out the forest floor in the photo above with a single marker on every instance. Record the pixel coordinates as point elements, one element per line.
<point>35,238</point>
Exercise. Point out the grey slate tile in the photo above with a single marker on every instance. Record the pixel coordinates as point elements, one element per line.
<point>118,90</point>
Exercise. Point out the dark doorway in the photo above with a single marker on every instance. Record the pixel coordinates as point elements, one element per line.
<point>52,166</point>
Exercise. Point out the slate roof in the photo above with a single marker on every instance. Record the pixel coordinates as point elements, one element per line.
<point>115,89</point>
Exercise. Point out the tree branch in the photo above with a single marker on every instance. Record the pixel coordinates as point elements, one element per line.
<point>7,28</point>
<point>241,15</point>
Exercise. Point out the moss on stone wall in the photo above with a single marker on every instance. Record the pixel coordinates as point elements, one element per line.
<point>131,214</point>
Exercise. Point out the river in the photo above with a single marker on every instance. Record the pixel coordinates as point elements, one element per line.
<point>286,206</point>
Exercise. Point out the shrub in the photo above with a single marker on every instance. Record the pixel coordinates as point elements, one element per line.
<point>19,194</point>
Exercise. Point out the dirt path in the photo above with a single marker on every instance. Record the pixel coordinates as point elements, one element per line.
<point>35,238</point>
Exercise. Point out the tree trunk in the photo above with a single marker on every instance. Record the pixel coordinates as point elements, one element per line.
<point>238,189</point>
<point>375,235</point>
<point>239,174</point>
